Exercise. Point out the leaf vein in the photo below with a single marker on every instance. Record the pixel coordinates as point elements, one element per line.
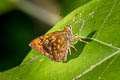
<point>95,65</point>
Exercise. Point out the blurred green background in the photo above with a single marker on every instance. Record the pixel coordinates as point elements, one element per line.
<point>17,30</point>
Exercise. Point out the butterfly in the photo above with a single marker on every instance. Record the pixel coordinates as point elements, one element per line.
<point>57,44</point>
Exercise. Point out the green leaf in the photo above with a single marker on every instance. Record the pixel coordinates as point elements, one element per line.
<point>108,70</point>
<point>98,20</point>
<point>6,5</point>
<point>67,6</point>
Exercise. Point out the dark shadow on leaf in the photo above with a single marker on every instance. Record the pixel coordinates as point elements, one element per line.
<point>79,46</point>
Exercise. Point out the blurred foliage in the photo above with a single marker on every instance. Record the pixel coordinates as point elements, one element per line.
<point>5,6</point>
<point>17,30</point>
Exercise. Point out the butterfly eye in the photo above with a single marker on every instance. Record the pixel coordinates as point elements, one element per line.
<point>69,27</point>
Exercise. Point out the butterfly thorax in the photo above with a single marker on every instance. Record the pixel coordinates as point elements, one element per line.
<point>69,33</point>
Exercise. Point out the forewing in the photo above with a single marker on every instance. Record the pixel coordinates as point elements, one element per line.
<point>54,45</point>
<point>39,42</point>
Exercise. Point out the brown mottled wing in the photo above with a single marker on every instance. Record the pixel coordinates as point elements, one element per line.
<point>54,45</point>
<point>59,46</point>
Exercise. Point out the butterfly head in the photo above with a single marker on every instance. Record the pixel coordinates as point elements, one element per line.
<point>68,28</point>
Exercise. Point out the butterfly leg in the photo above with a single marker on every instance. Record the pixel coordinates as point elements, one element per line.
<point>65,58</point>
<point>73,47</point>
<point>78,37</point>
<point>69,51</point>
